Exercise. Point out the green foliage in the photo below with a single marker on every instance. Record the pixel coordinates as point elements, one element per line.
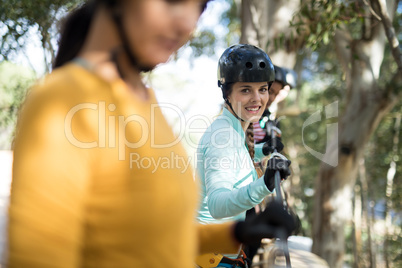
<point>203,43</point>
<point>319,19</point>
<point>389,66</point>
<point>231,20</point>
<point>396,254</point>
<point>380,153</point>
<point>19,16</point>
<point>14,82</point>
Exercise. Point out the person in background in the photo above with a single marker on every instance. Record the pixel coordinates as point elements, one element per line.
<point>83,192</point>
<point>285,79</point>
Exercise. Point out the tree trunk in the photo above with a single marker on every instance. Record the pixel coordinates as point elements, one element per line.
<point>252,26</point>
<point>366,105</point>
<point>357,232</point>
<point>262,21</point>
<point>366,192</point>
<point>388,192</point>
<point>365,108</point>
<point>373,244</point>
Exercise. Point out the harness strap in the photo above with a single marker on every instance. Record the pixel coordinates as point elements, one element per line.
<point>211,260</point>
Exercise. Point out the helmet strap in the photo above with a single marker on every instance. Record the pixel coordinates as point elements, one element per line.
<point>225,97</point>
<point>117,18</point>
<point>114,58</point>
<point>231,108</point>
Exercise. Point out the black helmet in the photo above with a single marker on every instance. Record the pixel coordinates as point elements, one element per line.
<point>285,76</point>
<point>245,63</point>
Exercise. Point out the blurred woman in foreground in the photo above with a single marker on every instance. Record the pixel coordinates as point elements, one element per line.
<point>85,190</point>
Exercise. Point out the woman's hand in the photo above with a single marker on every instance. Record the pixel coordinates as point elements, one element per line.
<point>273,165</point>
<point>274,221</point>
<point>271,145</point>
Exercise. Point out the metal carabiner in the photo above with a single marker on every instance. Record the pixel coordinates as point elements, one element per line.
<point>276,154</point>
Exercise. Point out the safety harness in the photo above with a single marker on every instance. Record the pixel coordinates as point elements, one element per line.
<point>211,260</point>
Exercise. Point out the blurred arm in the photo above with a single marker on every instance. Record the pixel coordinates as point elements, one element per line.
<point>50,176</point>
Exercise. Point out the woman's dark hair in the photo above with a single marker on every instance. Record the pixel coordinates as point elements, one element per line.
<point>226,90</point>
<point>74,30</point>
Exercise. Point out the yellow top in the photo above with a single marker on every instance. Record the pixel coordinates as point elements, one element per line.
<point>100,180</point>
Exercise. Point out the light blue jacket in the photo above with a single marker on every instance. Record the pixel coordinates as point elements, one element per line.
<point>228,179</point>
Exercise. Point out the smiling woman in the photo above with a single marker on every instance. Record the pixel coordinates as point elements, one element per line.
<point>245,74</point>
<point>230,182</point>
<point>248,100</point>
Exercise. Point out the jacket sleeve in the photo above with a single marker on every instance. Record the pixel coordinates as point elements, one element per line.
<point>217,238</point>
<point>50,177</point>
<point>223,174</point>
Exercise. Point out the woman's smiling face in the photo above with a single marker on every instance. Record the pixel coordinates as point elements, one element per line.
<point>249,99</point>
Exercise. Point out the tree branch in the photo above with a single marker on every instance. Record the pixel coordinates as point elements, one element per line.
<point>390,33</point>
<point>372,10</point>
<point>255,18</point>
<point>342,46</point>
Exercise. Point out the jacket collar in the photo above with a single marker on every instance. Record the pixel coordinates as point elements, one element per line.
<point>234,122</point>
